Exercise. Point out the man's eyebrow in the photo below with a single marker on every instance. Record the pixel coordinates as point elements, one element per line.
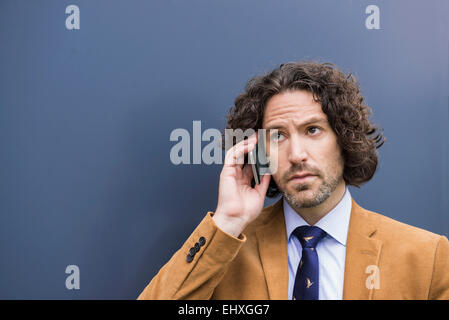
<point>305,123</point>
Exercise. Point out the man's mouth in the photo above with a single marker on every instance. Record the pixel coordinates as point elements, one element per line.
<point>302,177</point>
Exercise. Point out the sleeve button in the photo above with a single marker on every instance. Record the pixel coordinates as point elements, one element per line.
<point>189,258</point>
<point>202,241</point>
<point>197,247</point>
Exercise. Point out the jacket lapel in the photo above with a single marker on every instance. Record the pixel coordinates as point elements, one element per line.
<point>272,239</point>
<point>362,250</point>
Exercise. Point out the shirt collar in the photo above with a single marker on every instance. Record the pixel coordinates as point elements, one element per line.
<point>335,222</point>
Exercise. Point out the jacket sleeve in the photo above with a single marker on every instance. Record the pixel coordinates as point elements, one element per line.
<point>439,287</point>
<point>197,277</point>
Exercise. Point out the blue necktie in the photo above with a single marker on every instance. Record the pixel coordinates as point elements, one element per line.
<point>307,275</point>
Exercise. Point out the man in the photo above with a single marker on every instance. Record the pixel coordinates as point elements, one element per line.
<point>316,242</point>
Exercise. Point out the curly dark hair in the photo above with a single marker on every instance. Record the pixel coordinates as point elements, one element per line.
<point>341,100</point>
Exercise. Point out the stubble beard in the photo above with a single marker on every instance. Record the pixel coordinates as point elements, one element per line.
<point>322,194</point>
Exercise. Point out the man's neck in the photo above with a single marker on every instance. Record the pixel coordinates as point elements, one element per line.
<point>315,214</point>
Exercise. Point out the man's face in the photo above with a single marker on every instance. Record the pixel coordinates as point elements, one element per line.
<point>307,145</point>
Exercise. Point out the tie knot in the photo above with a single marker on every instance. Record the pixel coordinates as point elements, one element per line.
<point>309,236</point>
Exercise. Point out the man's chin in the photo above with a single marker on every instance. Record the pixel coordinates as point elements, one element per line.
<point>302,196</point>
<point>301,202</point>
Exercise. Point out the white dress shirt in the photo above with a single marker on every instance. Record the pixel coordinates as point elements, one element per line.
<point>331,249</point>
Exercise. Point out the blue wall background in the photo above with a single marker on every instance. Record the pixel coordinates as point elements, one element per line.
<point>86,115</point>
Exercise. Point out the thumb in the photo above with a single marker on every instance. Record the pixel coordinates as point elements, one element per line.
<point>263,186</point>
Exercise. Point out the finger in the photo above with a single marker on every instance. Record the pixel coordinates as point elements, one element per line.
<point>247,173</point>
<point>251,139</point>
<point>263,186</point>
<point>235,156</point>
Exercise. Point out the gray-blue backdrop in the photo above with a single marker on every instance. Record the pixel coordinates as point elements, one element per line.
<point>86,115</point>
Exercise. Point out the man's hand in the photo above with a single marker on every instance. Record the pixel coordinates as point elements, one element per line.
<point>238,203</point>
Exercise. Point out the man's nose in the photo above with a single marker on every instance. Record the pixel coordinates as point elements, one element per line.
<point>297,151</point>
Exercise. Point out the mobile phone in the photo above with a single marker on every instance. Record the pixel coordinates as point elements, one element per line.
<point>252,157</point>
<point>258,160</point>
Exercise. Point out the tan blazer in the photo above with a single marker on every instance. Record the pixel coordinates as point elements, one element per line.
<point>409,263</point>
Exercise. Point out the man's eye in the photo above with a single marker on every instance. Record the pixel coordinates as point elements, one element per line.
<point>277,136</point>
<point>313,130</point>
